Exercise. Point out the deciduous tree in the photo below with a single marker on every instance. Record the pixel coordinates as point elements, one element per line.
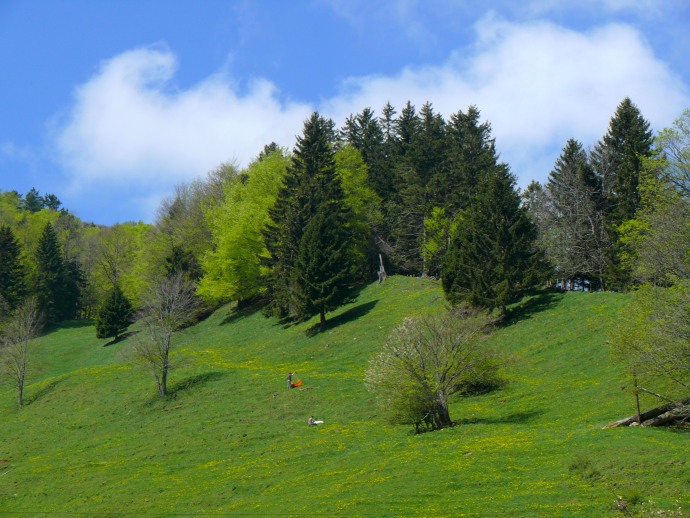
<point>426,361</point>
<point>15,343</point>
<point>167,307</point>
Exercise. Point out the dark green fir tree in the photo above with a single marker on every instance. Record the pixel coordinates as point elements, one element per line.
<point>312,188</point>
<point>323,266</point>
<point>12,271</point>
<point>114,315</point>
<point>493,258</point>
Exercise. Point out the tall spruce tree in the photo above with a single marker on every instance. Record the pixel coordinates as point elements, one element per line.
<point>493,257</point>
<point>12,271</point>
<point>469,151</point>
<point>617,160</point>
<point>574,233</point>
<point>311,188</point>
<point>49,274</point>
<point>56,282</point>
<point>628,140</point>
<point>323,267</point>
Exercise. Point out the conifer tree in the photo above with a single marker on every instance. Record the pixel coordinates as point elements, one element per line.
<point>574,232</point>
<point>12,272</point>
<point>56,282</point>
<point>493,258</point>
<point>323,267</point>
<point>469,151</point>
<point>49,274</point>
<point>617,161</point>
<point>114,315</point>
<point>311,187</point>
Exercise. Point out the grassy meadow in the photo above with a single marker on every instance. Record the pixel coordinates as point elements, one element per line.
<point>231,439</point>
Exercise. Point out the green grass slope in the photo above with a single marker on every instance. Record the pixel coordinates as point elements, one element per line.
<point>232,439</point>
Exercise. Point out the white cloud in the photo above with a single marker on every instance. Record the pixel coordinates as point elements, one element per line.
<point>127,124</point>
<point>538,84</point>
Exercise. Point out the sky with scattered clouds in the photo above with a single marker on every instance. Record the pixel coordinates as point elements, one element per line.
<point>110,104</point>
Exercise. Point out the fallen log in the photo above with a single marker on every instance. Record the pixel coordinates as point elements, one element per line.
<point>676,414</point>
<point>649,415</point>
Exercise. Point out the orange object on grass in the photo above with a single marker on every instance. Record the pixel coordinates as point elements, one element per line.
<point>298,383</point>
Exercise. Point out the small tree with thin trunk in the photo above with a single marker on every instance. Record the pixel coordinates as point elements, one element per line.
<point>15,343</point>
<point>167,307</point>
<point>429,359</point>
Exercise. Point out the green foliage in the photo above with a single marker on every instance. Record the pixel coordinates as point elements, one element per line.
<point>12,272</point>
<point>114,315</point>
<point>653,339</point>
<point>655,245</point>
<point>493,259</point>
<point>363,204</point>
<point>427,360</point>
<point>674,145</point>
<point>438,228</point>
<point>233,267</point>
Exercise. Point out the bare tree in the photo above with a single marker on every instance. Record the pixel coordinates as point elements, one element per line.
<point>426,361</point>
<point>15,343</point>
<point>167,307</point>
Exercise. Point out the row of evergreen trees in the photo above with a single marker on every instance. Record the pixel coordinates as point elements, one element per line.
<point>448,207</point>
<point>588,197</point>
<point>56,283</point>
<point>299,229</point>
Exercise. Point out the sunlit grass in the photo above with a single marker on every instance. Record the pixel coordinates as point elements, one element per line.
<point>232,439</point>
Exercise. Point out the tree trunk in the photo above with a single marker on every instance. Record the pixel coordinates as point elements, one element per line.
<point>443,416</point>
<point>672,415</point>
<point>648,415</point>
<point>163,388</point>
<point>322,318</point>
<point>20,394</point>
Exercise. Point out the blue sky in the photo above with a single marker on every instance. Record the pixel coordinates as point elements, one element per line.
<point>109,104</point>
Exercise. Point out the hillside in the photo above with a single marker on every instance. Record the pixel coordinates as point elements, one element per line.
<point>231,439</point>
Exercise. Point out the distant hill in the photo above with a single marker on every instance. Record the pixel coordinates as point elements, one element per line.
<point>231,439</point>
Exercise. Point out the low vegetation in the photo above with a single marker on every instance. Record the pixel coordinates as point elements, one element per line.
<point>229,438</point>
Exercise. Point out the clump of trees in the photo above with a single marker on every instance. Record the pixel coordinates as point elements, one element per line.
<point>588,199</point>
<point>429,359</point>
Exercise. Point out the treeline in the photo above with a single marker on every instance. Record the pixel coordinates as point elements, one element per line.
<point>595,213</point>
<point>297,230</point>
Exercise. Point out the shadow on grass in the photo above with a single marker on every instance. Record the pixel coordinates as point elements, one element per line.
<point>345,317</point>
<point>237,313</point>
<point>540,301</point>
<point>516,418</point>
<point>47,389</point>
<point>121,338</point>
<point>69,324</point>
<point>194,381</point>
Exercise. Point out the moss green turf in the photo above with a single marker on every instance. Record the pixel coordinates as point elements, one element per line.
<point>231,439</point>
